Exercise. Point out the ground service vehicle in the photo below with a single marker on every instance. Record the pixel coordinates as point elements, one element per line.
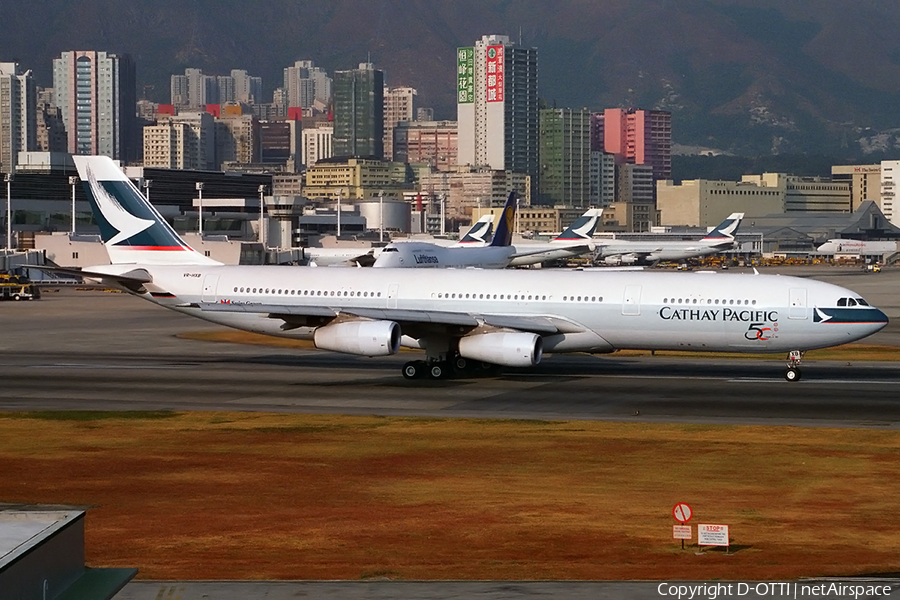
<point>17,287</point>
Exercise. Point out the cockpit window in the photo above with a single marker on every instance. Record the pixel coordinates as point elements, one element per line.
<point>852,302</point>
<point>391,250</point>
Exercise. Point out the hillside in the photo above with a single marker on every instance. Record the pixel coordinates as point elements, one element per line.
<point>740,76</point>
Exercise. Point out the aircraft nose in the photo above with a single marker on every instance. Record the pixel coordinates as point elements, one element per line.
<point>873,321</point>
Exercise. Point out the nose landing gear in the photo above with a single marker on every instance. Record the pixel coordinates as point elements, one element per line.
<point>793,373</point>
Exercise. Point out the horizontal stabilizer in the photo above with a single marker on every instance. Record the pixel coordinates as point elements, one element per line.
<point>133,280</point>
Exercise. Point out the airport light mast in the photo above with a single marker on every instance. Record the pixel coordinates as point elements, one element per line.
<point>199,187</point>
<point>73,181</point>
<point>8,178</point>
<point>262,209</point>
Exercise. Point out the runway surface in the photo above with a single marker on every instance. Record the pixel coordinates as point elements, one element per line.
<point>102,351</point>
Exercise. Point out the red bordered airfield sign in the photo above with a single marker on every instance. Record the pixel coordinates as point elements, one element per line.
<point>712,535</point>
<point>682,512</point>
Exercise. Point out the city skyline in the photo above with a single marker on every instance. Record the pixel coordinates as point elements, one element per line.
<point>776,78</point>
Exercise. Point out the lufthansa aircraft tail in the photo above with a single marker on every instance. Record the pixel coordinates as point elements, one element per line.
<point>132,230</point>
<point>503,234</point>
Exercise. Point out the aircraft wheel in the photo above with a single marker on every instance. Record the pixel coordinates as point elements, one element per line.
<point>413,369</point>
<point>489,369</point>
<point>460,363</point>
<point>439,370</point>
<point>792,374</point>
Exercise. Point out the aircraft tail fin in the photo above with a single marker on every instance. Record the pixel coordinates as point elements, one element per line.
<point>503,234</point>
<point>479,233</point>
<point>131,228</point>
<point>726,230</point>
<point>583,228</point>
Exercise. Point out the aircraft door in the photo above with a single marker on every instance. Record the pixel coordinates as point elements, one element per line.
<point>797,304</point>
<point>210,283</point>
<point>631,303</point>
<point>393,289</point>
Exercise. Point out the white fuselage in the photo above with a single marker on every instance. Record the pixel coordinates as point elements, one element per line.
<point>857,247</point>
<point>655,250</point>
<point>426,255</point>
<point>596,311</point>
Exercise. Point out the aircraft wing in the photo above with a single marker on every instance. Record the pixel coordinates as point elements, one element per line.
<point>574,249</point>
<point>366,259</point>
<point>302,316</point>
<point>642,253</point>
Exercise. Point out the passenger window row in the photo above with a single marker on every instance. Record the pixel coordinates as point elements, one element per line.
<point>461,296</point>
<point>286,292</point>
<point>535,297</point>
<point>723,302</point>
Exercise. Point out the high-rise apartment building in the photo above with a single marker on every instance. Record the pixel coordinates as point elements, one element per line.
<point>317,144</point>
<point>497,105</point>
<point>603,179</point>
<point>890,184</point>
<point>237,137</point>
<point>640,137</point>
<point>565,150</point>
<point>224,89</point>
<point>184,141</point>
<point>359,112</point>
<point>431,142</point>
<point>95,91</point>
<point>280,142</point>
<point>307,86</point>
<point>196,90</point>
<point>18,123</point>
<point>178,92</point>
<point>247,89</point>
<point>398,108</point>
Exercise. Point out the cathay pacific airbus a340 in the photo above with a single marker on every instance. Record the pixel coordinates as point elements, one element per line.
<point>466,319</point>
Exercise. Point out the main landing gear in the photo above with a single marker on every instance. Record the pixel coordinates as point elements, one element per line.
<point>793,373</point>
<point>445,369</point>
<point>417,369</point>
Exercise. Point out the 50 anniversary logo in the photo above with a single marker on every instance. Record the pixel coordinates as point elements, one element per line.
<point>756,318</point>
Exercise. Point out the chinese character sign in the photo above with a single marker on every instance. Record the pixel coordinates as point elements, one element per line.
<point>465,75</point>
<point>494,74</point>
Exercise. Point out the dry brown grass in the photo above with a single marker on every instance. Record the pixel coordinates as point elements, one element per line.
<point>263,496</point>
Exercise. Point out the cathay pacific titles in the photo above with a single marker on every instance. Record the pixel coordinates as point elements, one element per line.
<point>714,314</point>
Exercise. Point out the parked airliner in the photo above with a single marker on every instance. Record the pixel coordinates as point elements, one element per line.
<point>500,253</point>
<point>857,247</point>
<point>347,256</point>
<point>467,319</point>
<point>630,252</point>
<point>495,255</point>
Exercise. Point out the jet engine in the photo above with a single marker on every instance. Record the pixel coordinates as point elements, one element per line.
<point>366,338</point>
<point>501,348</point>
